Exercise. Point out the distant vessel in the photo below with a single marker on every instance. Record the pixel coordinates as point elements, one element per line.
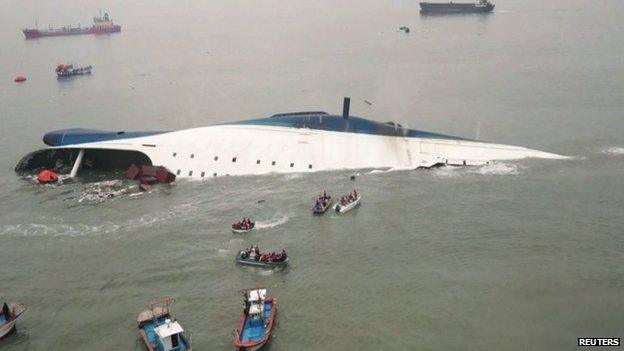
<point>452,7</point>
<point>101,25</point>
<point>67,70</point>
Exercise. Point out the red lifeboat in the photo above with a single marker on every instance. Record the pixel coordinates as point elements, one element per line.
<point>47,176</point>
<point>19,79</point>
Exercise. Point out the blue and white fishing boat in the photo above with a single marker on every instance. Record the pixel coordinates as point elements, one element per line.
<point>159,330</point>
<point>8,317</point>
<point>256,321</point>
<point>283,143</point>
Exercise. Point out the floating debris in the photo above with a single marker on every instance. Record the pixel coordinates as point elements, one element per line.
<point>405,29</point>
<point>47,176</point>
<point>149,175</point>
<point>102,191</point>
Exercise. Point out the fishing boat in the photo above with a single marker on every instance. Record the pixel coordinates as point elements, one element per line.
<point>67,70</point>
<point>322,204</point>
<point>256,321</point>
<point>8,317</point>
<point>240,228</point>
<point>349,206</point>
<point>159,330</point>
<point>249,257</point>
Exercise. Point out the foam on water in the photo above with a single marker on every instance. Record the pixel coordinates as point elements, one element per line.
<point>497,168</point>
<point>446,172</point>
<point>271,223</point>
<point>57,228</point>
<point>293,176</point>
<point>614,151</point>
<point>105,190</point>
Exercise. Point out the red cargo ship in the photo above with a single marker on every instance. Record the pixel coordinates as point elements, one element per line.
<point>101,25</point>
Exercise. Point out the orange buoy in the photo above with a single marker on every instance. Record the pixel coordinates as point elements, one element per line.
<point>47,176</point>
<point>19,79</point>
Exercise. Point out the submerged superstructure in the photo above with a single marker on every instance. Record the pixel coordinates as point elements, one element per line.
<point>283,143</point>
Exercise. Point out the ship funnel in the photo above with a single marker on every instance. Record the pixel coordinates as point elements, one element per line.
<point>345,107</point>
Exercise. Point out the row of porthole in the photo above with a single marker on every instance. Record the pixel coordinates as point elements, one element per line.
<point>203,174</point>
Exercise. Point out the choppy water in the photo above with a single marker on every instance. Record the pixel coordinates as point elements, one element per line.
<point>512,256</point>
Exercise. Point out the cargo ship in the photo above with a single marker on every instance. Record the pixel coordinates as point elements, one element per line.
<point>452,7</point>
<point>101,25</point>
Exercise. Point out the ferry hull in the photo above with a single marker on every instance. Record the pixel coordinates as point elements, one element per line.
<point>275,146</point>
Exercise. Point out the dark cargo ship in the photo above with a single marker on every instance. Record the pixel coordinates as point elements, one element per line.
<point>101,25</point>
<point>452,7</point>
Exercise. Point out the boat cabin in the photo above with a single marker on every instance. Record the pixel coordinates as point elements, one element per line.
<point>169,335</point>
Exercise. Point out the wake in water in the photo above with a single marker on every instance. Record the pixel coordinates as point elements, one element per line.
<point>614,151</point>
<point>81,229</point>
<point>497,168</point>
<point>493,168</point>
<point>272,223</point>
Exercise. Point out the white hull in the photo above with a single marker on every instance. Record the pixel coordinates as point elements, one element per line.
<point>344,209</point>
<point>222,150</point>
<point>7,328</point>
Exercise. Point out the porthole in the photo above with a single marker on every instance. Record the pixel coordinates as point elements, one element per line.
<point>192,155</point>
<point>234,159</point>
<point>203,174</point>
<point>178,172</point>
<point>174,154</point>
<point>190,173</point>
<point>309,166</point>
<point>292,165</point>
<point>214,174</point>
<point>216,158</point>
<point>273,163</point>
<point>257,162</point>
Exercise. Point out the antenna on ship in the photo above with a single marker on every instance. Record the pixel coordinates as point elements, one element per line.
<point>345,107</point>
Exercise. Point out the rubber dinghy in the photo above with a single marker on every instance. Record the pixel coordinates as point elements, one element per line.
<point>243,257</point>
<point>348,207</point>
<point>237,228</point>
<point>8,317</point>
<point>256,321</point>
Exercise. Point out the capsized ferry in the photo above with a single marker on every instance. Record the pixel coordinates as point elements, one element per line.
<point>283,143</point>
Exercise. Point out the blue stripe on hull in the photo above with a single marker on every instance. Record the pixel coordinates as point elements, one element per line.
<point>317,121</point>
<point>334,123</point>
<point>80,136</point>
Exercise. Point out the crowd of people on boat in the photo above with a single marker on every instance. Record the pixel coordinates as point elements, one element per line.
<point>244,224</point>
<point>347,199</point>
<point>322,201</point>
<point>253,253</point>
